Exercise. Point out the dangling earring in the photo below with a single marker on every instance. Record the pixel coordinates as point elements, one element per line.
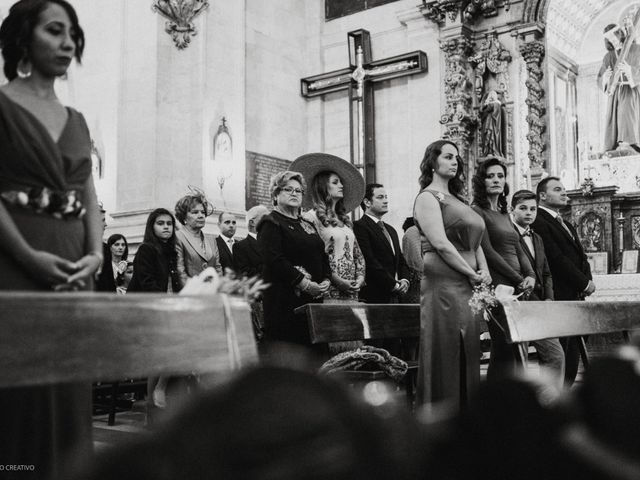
<point>21,70</point>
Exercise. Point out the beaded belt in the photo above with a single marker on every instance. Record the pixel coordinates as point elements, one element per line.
<point>59,204</point>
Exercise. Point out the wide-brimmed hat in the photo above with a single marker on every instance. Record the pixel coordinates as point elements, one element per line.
<point>312,164</point>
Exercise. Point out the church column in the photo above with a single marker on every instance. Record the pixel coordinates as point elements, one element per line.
<point>532,50</point>
<point>459,117</point>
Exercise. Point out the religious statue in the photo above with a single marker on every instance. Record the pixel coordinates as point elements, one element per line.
<point>493,126</point>
<point>619,77</point>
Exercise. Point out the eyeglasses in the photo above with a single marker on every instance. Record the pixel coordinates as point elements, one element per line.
<point>292,190</point>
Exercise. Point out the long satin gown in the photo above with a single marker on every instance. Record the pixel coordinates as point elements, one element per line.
<point>46,426</point>
<point>449,366</point>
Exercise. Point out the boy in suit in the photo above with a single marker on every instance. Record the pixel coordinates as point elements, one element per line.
<point>524,207</point>
<point>386,274</point>
<point>568,264</point>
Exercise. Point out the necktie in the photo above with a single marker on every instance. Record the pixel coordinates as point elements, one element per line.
<point>527,233</point>
<point>564,225</point>
<point>386,233</point>
<point>230,243</point>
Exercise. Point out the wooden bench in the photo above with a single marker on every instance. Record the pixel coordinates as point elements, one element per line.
<point>530,321</point>
<point>335,322</point>
<point>50,338</point>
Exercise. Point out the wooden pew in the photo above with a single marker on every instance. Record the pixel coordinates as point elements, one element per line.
<point>50,338</point>
<point>529,321</point>
<point>335,322</point>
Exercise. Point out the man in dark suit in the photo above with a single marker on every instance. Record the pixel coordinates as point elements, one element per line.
<point>246,256</point>
<point>387,274</point>
<point>568,264</point>
<point>524,206</point>
<point>225,241</point>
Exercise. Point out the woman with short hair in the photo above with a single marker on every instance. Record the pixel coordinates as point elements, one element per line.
<point>195,250</point>
<point>296,266</point>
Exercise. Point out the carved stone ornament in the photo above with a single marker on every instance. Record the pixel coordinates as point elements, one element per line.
<point>439,10</point>
<point>635,230</point>
<point>492,58</point>
<point>591,231</point>
<point>459,118</point>
<point>533,54</point>
<point>180,15</point>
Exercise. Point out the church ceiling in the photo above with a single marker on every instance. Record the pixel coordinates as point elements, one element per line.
<point>568,20</point>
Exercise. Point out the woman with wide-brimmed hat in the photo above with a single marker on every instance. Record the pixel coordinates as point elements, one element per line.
<point>336,188</point>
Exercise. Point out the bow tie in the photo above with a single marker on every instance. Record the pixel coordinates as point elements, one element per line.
<point>526,233</point>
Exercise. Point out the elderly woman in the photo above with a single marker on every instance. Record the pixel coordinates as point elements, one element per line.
<point>449,369</point>
<point>115,264</point>
<point>49,220</point>
<point>195,250</point>
<point>295,263</point>
<point>336,189</point>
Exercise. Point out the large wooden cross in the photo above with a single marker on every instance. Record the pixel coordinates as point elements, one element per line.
<point>358,79</point>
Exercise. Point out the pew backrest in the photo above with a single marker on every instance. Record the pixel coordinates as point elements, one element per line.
<point>56,337</point>
<point>527,321</point>
<point>333,322</point>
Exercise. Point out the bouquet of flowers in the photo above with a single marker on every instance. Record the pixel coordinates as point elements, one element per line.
<point>485,298</point>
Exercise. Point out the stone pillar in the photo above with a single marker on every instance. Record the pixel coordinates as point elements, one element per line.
<point>459,118</point>
<point>532,51</point>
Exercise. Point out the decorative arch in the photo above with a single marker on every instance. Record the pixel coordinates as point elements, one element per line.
<point>535,11</point>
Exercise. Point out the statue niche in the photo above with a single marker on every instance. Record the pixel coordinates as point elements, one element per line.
<point>491,65</point>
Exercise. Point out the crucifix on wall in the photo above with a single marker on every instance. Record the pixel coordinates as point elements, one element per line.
<point>358,79</point>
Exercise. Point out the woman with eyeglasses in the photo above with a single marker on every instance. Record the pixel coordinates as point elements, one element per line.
<point>451,232</point>
<point>295,263</point>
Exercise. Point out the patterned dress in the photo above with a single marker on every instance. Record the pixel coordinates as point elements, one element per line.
<point>345,258</point>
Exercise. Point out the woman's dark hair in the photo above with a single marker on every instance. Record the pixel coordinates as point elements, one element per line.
<point>167,248</point>
<point>113,239</point>
<point>186,203</point>
<point>16,31</point>
<point>322,202</point>
<point>480,190</point>
<point>430,163</point>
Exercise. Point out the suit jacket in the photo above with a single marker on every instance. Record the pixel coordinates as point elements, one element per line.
<point>152,271</point>
<point>568,263</point>
<point>382,264</point>
<point>247,258</point>
<point>191,259</point>
<point>226,257</point>
<point>544,282</point>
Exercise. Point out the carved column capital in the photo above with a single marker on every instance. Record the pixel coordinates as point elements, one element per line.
<point>468,11</point>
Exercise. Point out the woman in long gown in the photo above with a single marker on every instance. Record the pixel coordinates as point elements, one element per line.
<point>50,227</point>
<point>508,263</point>
<point>337,188</point>
<point>449,367</point>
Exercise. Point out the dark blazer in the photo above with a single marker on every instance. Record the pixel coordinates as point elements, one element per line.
<point>247,258</point>
<point>226,257</point>
<point>191,260</point>
<point>152,271</point>
<point>568,263</point>
<point>382,264</point>
<point>544,282</point>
